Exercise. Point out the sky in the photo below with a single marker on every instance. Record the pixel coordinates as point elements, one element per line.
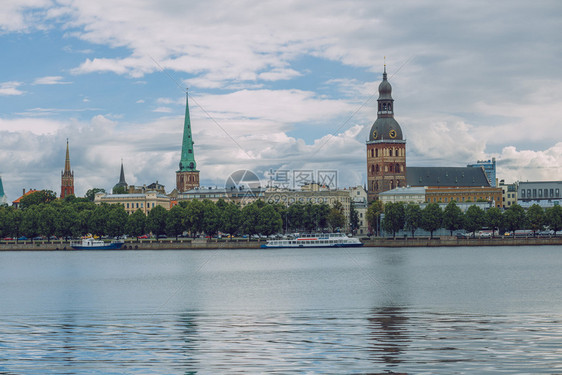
<point>273,86</point>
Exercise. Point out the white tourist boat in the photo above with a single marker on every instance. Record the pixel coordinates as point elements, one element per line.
<point>93,244</point>
<point>315,240</point>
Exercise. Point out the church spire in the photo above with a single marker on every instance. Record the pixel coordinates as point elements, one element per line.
<point>187,177</point>
<point>67,176</point>
<point>122,181</point>
<point>3,199</point>
<point>187,162</point>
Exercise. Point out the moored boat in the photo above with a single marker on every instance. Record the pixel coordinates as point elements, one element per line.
<point>315,240</point>
<point>93,244</point>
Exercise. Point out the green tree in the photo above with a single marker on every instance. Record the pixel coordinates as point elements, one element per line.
<point>116,220</point>
<point>230,219</point>
<point>432,218</point>
<point>91,193</point>
<point>494,219</point>
<point>48,220</point>
<point>514,218</point>
<point>296,214</point>
<point>6,221</point>
<point>452,217</point>
<point>474,219</point>
<point>156,221</point>
<point>413,215</point>
<point>119,190</point>
<point>553,218</point>
<point>175,221</point>
<point>97,220</point>
<point>38,197</point>
<point>394,217</point>
<point>136,224</point>
<point>194,216</point>
<point>29,226</point>
<point>336,217</point>
<point>374,212</point>
<point>269,221</point>
<point>211,218</point>
<point>250,219</point>
<point>69,225</point>
<point>535,218</point>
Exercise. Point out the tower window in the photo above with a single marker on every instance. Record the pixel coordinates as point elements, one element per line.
<point>377,152</point>
<point>390,152</point>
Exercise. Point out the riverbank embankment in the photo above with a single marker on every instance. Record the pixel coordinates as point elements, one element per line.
<point>201,243</point>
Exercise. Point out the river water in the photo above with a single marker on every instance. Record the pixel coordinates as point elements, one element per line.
<point>331,311</point>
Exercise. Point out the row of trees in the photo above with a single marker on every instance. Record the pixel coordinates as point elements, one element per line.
<point>41,214</point>
<point>409,217</point>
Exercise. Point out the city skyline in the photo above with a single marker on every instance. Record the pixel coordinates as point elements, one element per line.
<point>273,86</point>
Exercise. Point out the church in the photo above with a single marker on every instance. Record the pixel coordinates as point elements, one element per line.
<point>387,170</point>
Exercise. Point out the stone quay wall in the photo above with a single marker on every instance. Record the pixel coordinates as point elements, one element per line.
<point>200,244</point>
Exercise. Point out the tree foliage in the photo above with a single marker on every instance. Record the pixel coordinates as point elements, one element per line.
<point>452,217</point>
<point>394,217</point>
<point>432,218</point>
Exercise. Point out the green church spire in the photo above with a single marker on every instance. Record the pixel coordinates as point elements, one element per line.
<point>187,162</point>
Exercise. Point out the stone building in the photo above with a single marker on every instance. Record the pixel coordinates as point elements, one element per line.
<point>386,147</point>
<point>133,202</point>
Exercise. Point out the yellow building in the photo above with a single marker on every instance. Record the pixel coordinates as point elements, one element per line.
<point>133,202</point>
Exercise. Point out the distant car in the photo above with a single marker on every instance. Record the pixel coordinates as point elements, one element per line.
<point>23,238</point>
<point>7,239</point>
<point>162,236</point>
<point>143,237</point>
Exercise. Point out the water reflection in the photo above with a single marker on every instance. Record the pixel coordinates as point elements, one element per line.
<point>388,334</point>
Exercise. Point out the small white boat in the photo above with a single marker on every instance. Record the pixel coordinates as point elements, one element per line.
<point>93,244</point>
<point>315,240</point>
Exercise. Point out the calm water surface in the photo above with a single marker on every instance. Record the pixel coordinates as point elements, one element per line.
<point>367,310</point>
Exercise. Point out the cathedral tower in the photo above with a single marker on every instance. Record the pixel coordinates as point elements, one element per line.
<point>67,177</point>
<point>187,177</point>
<point>386,147</point>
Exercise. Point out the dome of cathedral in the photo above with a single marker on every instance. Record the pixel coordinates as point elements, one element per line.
<point>385,89</point>
<point>386,128</point>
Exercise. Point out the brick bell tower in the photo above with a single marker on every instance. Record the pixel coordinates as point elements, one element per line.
<point>187,177</point>
<point>386,147</point>
<point>67,177</point>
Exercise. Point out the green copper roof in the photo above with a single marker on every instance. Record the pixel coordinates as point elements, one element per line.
<point>187,162</point>
<point>1,188</point>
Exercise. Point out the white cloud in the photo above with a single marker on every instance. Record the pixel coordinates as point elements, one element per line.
<point>50,80</point>
<point>10,88</point>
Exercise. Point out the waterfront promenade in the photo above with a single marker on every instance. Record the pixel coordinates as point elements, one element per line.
<point>202,243</point>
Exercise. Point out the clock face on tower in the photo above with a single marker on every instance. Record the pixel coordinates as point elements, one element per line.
<point>375,134</point>
<point>392,133</point>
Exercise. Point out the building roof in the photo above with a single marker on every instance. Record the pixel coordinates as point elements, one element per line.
<point>31,191</point>
<point>446,176</point>
<point>420,190</point>
<point>385,128</point>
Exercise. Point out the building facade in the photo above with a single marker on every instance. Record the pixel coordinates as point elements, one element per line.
<point>133,202</point>
<point>509,194</point>
<point>359,202</point>
<point>464,194</point>
<point>67,177</point>
<point>543,193</point>
<point>386,147</point>
<point>187,177</point>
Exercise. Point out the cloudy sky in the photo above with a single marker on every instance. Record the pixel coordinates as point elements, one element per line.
<point>288,85</point>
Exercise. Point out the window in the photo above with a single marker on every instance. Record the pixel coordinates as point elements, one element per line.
<point>390,152</point>
<point>377,152</point>
<point>557,192</point>
<point>534,193</point>
<point>552,193</point>
<point>522,193</point>
<point>540,193</point>
<point>528,193</point>
<point>127,205</point>
<point>546,193</point>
